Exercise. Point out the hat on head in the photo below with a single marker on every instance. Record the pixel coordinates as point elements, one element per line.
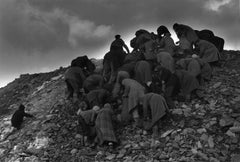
<point>117,36</point>
<point>162,30</point>
<point>107,105</point>
<point>195,56</point>
<point>96,108</point>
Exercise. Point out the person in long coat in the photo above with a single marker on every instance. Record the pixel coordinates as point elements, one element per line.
<point>111,62</point>
<point>167,83</point>
<point>133,90</point>
<point>99,123</point>
<point>143,72</point>
<point>74,78</point>
<point>196,67</point>
<point>207,51</point>
<point>86,122</point>
<point>148,50</point>
<point>94,81</point>
<point>142,36</point>
<point>184,46</point>
<point>186,31</point>
<point>188,83</point>
<point>87,66</point>
<point>104,126</point>
<point>166,60</point>
<point>158,108</point>
<point>166,41</point>
<point>125,71</point>
<point>119,44</point>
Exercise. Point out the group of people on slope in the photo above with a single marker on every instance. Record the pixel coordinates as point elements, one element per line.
<point>141,85</point>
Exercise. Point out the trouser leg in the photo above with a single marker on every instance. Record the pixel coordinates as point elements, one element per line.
<point>70,89</point>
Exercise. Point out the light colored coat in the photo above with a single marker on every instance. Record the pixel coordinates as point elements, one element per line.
<point>157,104</point>
<point>207,51</point>
<point>134,91</point>
<point>166,61</point>
<point>196,67</point>
<point>184,43</point>
<point>167,44</point>
<point>187,81</point>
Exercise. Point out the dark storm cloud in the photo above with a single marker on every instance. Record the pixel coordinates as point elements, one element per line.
<point>37,35</point>
<point>45,25</point>
<point>26,27</point>
<point>221,16</point>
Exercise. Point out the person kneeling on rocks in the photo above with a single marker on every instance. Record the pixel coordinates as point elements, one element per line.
<point>18,116</point>
<point>98,125</point>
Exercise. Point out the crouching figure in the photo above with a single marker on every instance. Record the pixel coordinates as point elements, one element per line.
<point>97,125</point>
<point>18,116</point>
<point>154,108</point>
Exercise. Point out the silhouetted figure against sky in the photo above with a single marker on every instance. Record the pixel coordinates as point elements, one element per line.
<point>18,116</point>
<point>118,43</point>
<point>186,31</point>
<point>209,36</point>
<point>85,64</point>
<point>165,40</point>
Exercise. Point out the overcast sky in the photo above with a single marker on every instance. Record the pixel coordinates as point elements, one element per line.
<point>42,35</point>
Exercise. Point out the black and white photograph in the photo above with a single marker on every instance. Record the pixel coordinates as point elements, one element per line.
<point>120,80</point>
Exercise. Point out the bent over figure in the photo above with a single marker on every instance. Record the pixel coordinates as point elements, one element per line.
<point>74,78</point>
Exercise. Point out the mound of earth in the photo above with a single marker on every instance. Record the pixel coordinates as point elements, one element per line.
<point>201,130</point>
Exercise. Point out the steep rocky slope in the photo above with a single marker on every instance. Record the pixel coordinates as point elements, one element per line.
<point>202,130</point>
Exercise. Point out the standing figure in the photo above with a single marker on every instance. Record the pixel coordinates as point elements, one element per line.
<point>118,44</point>
<point>114,59</point>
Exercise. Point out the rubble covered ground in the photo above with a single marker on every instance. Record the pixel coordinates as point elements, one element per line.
<point>201,130</point>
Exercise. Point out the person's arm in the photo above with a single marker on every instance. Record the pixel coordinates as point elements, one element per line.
<point>93,118</point>
<point>126,47</point>
<point>28,115</point>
